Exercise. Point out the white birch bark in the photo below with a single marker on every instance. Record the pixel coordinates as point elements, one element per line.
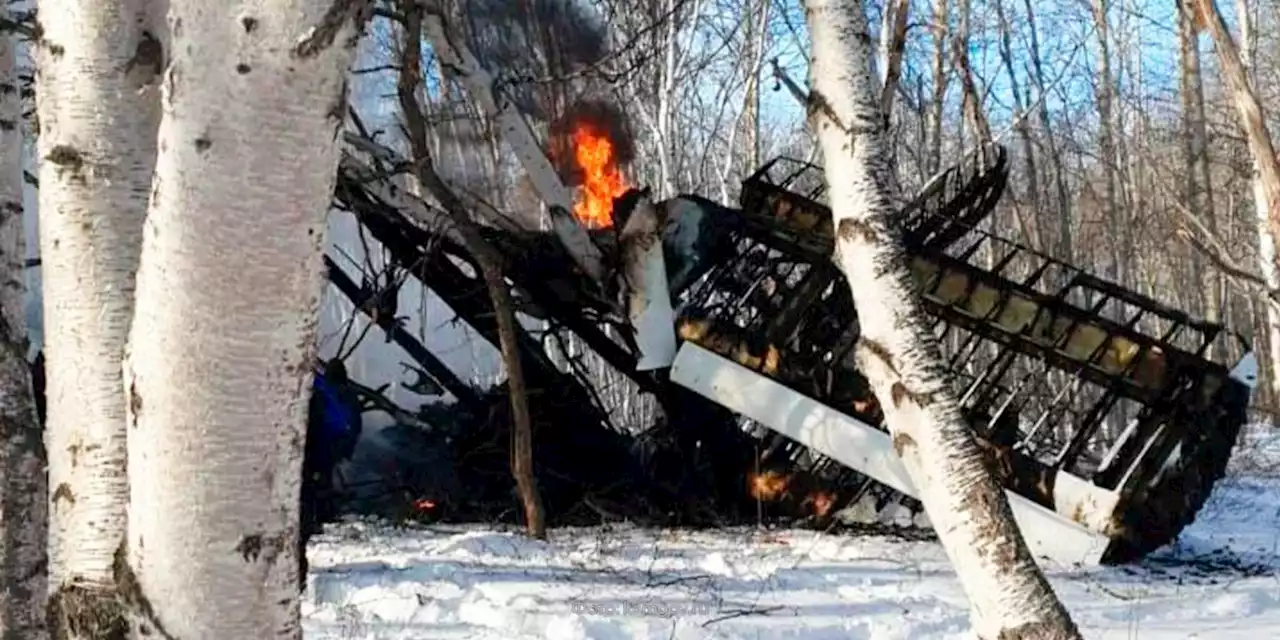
<point>23,524</point>
<point>1009,596</point>
<point>1266,187</point>
<point>98,107</point>
<point>219,362</point>
<point>1266,243</point>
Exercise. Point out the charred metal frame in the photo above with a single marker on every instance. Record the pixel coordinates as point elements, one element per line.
<point>1094,400</point>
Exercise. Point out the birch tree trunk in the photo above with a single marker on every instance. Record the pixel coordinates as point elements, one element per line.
<point>1105,92</point>
<point>1266,243</point>
<point>1252,119</point>
<point>97,99</point>
<point>1010,598</point>
<point>23,523</point>
<point>222,348</point>
<point>941,35</point>
<point>1198,187</point>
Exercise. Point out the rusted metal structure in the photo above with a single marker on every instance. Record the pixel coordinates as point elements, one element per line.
<point>1107,416</point>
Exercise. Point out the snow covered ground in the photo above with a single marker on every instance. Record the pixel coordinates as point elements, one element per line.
<point>1222,580</point>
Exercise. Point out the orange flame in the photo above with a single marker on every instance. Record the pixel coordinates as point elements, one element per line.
<point>821,502</point>
<point>769,485</point>
<point>602,180</point>
<point>424,504</point>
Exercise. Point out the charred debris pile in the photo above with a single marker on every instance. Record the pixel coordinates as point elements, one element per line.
<point>1061,373</point>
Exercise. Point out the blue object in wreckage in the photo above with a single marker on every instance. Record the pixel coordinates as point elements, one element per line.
<point>339,417</point>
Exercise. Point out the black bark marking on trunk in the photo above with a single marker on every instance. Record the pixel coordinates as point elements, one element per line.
<point>250,547</point>
<point>76,611</point>
<point>148,56</point>
<point>258,545</point>
<point>983,498</point>
<point>901,442</point>
<point>817,104</point>
<point>203,143</point>
<point>249,23</point>
<point>136,603</point>
<point>243,68</point>
<point>55,50</point>
<point>67,157</point>
<point>323,35</point>
<point>898,392</point>
<point>878,351</point>
<point>854,230</point>
<point>63,492</point>
<point>135,404</point>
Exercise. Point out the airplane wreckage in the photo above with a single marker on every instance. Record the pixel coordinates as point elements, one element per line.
<point>1107,415</point>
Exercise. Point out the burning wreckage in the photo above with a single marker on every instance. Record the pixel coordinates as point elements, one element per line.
<point>1108,415</point>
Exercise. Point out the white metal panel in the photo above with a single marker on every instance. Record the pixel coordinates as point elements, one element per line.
<point>648,296</point>
<point>867,449</point>
<point>1246,370</point>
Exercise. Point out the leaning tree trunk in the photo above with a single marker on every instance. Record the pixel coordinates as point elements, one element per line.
<point>23,525</point>
<point>98,105</point>
<point>1010,598</point>
<point>490,263</point>
<point>1252,118</point>
<point>222,347</point>
<point>1266,242</point>
<point>1254,123</point>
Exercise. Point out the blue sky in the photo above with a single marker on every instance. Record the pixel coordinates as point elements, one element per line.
<point>1068,42</point>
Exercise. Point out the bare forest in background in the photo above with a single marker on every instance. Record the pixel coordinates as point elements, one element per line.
<point>1127,154</point>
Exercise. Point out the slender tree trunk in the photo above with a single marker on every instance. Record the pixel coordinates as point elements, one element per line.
<point>1065,251</point>
<point>23,510</point>
<point>893,43</point>
<point>1023,127</point>
<point>1105,92</point>
<point>490,267</point>
<point>98,106</point>
<point>960,51</point>
<point>941,31</point>
<point>1010,598</point>
<point>223,342</point>
<point>1198,187</point>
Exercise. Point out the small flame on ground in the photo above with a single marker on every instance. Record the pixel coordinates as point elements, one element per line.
<point>769,485</point>
<point>424,504</point>
<point>822,502</point>
<point>602,180</point>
